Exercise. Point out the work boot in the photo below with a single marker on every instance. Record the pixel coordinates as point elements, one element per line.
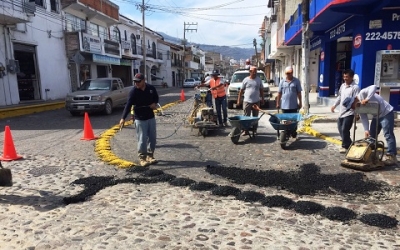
<point>390,160</point>
<point>143,161</point>
<point>342,150</point>
<point>150,159</point>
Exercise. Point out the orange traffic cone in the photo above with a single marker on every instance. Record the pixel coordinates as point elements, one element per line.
<point>182,96</point>
<point>87,130</point>
<point>9,153</point>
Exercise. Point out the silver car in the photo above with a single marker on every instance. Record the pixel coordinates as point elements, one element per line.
<point>190,83</point>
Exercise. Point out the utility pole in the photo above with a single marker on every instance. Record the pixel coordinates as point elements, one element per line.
<point>305,56</point>
<point>184,43</point>
<point>143,8</point>
<point>255,48</point>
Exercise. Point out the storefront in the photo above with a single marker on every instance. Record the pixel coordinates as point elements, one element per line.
<point>353,44</point>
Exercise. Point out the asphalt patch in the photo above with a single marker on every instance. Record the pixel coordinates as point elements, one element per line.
<point>339,214</point>
<point>202,186</point>
<point>277,201</point>
<point>164,177</point>
<point>152,172</point>
<point>306,181</point>
<point>307,207</point>
<point>250,196</point>
<point>181,182</point>
<point>94,184</point>
<point>225,191</point>
<point>379,220</point>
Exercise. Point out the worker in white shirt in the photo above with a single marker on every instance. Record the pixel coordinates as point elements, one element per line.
<point>385,122</point>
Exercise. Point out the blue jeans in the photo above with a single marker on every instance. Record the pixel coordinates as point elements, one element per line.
<point>146,135</point>
<point>344,126</point>
<point>220,103</point>
<point>386,124</point>
<point>209,99</point>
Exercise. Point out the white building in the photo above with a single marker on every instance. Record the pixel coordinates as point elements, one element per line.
<point>32,42</point>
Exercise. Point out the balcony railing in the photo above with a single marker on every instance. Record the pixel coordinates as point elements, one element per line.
<point>16,11</point>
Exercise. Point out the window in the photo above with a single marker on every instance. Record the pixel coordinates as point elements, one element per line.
<point>116,36</point>
<point>40,3</point>
<point>74,23</point>
<point>54,6</point>
<point>133,44</point>
<point>103,32</point>
<point>168,54</point>
<point>94,29</point>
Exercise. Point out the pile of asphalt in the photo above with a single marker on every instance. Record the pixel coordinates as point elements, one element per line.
<point>93,184</point>
<point>307,181</point>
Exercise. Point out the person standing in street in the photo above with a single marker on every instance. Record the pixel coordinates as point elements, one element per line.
<point>144,97</point>
<point>346,114</point>
<point>385,122</point>
<point>206,83</point>
<point>253,92</point>
<point>289,95</point>
<point>219,94</point>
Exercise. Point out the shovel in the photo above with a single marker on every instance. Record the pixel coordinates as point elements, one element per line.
<point>256,107</point>
<point>5,176</point>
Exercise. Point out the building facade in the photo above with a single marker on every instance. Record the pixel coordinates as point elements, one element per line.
<point>33,44</point>
<point>347,34</point>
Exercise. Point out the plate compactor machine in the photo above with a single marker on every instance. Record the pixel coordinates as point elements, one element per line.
<point>365,154</point>
<point>202,117</point>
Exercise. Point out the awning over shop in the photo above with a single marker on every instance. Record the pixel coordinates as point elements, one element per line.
<point>280,53</point>
<point>325,16</point>
<point>357,6</point>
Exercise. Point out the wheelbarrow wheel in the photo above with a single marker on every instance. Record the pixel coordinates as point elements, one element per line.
<point>282,139</point>
<point>235,135</point>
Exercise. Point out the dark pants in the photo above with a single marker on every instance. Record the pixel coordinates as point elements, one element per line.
<point>344,126</point>
<point>220,103</point>
<point>209,99</point>
<point>294,132</point>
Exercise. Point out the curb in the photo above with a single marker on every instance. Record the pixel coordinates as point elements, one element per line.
<point>30,109</point>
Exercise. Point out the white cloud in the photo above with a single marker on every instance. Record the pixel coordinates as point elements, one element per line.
<point>235,24</point>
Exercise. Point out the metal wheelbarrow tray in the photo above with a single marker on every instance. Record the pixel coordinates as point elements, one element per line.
<point>242,123</point>
<point>285,124</point>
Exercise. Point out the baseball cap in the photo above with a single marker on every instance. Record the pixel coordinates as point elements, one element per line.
<point>348,101</point>
<point>215,72</point>
<point>138,77</point>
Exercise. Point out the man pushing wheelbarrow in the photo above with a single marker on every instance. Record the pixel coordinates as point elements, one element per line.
<point>289,91</point>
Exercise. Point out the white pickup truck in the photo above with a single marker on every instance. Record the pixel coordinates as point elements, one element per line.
<point>101,94</point>
<point>236,83</point>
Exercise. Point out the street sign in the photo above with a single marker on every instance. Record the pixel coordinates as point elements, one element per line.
<point>78,58</point>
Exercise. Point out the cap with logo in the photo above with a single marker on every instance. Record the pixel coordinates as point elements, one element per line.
<point>215,72</point>
<point>138,77</point>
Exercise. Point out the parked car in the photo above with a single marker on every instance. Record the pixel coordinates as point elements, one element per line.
<point>236,83</point>
<point>190,83</point>
<point>101,94</point>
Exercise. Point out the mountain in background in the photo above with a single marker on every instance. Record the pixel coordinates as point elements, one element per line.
<point>226,51</point>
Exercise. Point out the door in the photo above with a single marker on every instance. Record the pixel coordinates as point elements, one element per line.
<point>27,78</point>
<point>102,71</point>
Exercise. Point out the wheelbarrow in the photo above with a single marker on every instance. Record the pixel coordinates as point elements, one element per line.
<point>242,123</point>
<point>285,124</point>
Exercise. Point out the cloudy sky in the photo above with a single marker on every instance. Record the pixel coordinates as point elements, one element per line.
<point>219,22</point>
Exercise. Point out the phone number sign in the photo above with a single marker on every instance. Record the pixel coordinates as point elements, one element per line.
<point>387,35</point>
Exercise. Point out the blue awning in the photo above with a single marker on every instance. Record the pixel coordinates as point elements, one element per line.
<point>322,18</point>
